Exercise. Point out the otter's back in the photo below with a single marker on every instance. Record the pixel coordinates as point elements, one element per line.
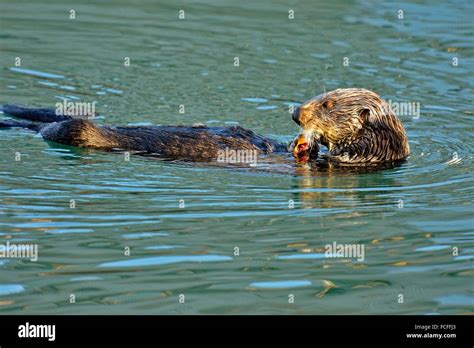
<point>177,142</point>
<point>199,142</point>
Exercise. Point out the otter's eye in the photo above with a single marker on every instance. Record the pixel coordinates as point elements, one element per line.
<point>328,104</point>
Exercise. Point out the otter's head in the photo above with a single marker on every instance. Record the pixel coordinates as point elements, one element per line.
<point>355,124</point>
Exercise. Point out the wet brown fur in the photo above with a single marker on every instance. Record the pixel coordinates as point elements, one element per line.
<point>195,143</point>
<point>356,125</point>
<point>183,142</point>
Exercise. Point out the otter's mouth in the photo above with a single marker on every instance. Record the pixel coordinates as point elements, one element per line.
<point>305,147</point>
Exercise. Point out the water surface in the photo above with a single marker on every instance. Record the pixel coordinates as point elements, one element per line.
<point>245,239</point>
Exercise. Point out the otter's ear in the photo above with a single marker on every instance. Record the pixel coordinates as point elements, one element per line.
<point>366,115</point>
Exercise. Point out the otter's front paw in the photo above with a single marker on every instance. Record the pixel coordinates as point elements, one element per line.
<point>291,146</point>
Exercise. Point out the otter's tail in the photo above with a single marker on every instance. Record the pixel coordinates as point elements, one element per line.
<point>42,115</point>
<point>13,123</point>
<point>39,116</point>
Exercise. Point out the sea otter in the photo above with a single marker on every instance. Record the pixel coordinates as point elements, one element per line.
<point>193,143</point>
<point>356,125</point>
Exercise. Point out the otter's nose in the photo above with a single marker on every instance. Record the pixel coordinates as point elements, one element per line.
<point>296,115</point>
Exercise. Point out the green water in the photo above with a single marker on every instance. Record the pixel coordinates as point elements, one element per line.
<point>415,221</point>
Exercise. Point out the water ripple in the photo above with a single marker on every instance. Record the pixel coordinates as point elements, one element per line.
<point>164,260</point>
<point>282,284</point>
<point>7,289</point>
<point>37,73</point>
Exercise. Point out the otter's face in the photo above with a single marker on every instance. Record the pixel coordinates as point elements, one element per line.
<point>338,116</point>
<point>355,124</point>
